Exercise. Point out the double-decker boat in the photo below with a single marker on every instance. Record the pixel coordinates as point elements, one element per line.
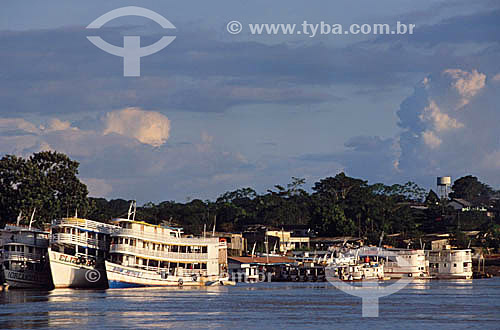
<point>77,252</point>
<point>400,263</point>
<point>143,254</point>
<point>450,264</point>
<point>24,257</point>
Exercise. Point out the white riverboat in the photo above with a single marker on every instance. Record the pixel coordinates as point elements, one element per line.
<point>143,254</point>
<point>349,265</point>
<point>77,252</point>
<point>400,263</point>
<point>450,264</point>
<point>24,257</point>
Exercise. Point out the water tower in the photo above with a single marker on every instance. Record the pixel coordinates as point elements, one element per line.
<point>443,186</point>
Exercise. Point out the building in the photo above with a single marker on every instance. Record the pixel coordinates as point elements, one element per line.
<point>256,269</point>
<point>460,204</point>
<point>323,243</point>
<point>288,241</point>
<point>236,243</point>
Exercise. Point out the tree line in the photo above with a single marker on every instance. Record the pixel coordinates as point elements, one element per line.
<point>336,206</point>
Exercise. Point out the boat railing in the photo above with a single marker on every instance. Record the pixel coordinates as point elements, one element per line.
<point>124,248</point>
<point>39,242</point>
<point>185,272</point>
<point>21,256</point>
<point>85,224</point>
<point>61,238</point>
<point>448,258</point>
<point>164,238</point>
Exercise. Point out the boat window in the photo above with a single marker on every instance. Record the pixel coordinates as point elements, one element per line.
<point>204,249</point>
<point>454,265</point>
<point>30,249</point>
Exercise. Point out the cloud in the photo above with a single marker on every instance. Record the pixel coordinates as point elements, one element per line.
<point>202,73</point>
<point>148,127</point>
<point>431,139</point>
<point>439,134</point>
<point>467,84</point>
<point>13,124</point>
<point>59,125</point>
<point>440,121</point>
<point>98,187</point>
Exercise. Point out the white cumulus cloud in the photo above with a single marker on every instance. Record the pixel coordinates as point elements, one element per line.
<point>466,83</point>
<point>440,120</point>
<point>147,127</point>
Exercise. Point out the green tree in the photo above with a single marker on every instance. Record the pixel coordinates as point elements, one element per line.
<point>46,181</point>
<point>471,189</point>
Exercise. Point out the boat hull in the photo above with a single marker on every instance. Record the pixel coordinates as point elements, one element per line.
<point>66,273</point>
<point>441,276</point>
<point>126,277</point>
<point>27,279</point>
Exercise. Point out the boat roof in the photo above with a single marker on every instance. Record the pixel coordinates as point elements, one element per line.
<point>12,227</point>
<point>116,220</point>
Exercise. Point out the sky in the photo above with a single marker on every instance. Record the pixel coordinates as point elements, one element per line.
<point>214,111</point>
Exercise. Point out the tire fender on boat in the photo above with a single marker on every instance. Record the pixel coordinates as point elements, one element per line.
<point>181,282</point>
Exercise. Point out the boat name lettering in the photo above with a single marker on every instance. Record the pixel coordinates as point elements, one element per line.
<point>66,258</point>
<point>23,276</point>
<point>127,272</point>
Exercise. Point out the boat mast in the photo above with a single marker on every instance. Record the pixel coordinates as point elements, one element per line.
<point>32,217</point>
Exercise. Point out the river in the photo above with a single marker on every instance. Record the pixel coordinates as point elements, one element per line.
<point>420,305</point>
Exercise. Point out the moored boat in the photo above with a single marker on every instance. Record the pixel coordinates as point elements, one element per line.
<point>400,263</point>
<point>143,254</point>
<point>77,252</point>
<point>450,264</point>
<point>24,257</point>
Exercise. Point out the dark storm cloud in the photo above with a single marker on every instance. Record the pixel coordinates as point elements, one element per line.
<point>59,71</point>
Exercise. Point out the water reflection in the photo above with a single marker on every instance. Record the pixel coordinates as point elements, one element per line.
<point>14,314</point>
<point>266,305</point>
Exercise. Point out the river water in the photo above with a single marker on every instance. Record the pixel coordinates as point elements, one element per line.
<point>421,305</point>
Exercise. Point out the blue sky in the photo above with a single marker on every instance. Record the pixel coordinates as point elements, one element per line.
<point>214,112</point>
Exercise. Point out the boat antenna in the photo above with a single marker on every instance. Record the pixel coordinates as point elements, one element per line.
<point>204,230</point>
<point>253,249</point>
<point>135,210</point>
<point>32,217</point>
<point>345,241</point>
<point>76,213</point>
<point>133,205</point>
<point>381,238</point>
<point>19,217</point>
<point>215,222</point>
<point>421,246</point>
